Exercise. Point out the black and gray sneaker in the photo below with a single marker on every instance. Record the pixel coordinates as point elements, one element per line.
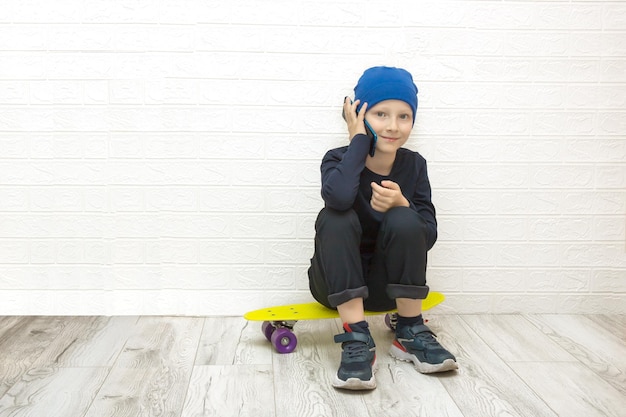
<point>417,344</point>
<point>358,359</point>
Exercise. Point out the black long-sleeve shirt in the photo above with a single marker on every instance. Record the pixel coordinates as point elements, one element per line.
<point>346,185</point>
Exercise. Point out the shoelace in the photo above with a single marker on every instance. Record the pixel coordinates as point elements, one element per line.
<point>355,351</point>
<point>427,339</point>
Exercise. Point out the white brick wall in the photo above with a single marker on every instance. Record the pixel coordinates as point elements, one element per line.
<point>163,157</point>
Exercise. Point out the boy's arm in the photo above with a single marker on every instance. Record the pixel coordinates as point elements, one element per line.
<point>341,173</point>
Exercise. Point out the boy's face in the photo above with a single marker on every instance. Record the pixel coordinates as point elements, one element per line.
<point>392,120</point>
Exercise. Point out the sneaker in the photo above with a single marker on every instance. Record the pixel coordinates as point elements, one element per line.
<point>358,360</point>
<point>418,344</point>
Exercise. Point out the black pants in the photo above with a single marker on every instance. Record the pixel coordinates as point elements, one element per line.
<point>397,268</point>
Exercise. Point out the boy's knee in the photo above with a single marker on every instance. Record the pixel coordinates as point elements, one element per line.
<point>335,221</point>
<point>404,220</point>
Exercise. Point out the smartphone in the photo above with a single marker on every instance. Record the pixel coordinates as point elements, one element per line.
<point>368,131</point>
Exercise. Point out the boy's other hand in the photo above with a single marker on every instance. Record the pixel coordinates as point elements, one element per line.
<point>386,196</point>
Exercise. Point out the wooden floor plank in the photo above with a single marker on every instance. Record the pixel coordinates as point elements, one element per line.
<point>22,342</point>
<point>52,392</point>
<point>614,324</point>
<point>100,343</point>
<point>484,385</point>
<point>232,341</point>
<point>231,390</point>
<point>151,375</point>
<point>592,345</point>
<point>572,390</point>
<point>74,328</point>
<point>513,338</point>
<point>162,340</point>
<point>302,379</point>
<point>7,323</point>
<point>402,391</point>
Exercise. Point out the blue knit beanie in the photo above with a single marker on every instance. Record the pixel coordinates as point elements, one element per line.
<point>386,83</point>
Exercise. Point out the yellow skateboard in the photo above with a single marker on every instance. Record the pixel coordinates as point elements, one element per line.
<point>278,321</point>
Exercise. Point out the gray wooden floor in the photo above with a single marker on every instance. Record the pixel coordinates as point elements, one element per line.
<point>513,365</point>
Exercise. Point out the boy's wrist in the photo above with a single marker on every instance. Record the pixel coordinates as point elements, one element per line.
<point>356,135</point>
<point>361,142</point>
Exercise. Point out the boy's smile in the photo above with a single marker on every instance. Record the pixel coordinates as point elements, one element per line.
<point>392,120</point>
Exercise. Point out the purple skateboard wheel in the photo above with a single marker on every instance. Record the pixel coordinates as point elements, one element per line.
<point>284,340</point>
<point>267,329</point>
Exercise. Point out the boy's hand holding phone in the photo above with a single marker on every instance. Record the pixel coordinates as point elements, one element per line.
<point>357,123</point>
<point>354,121</point>
<point>386,196</point>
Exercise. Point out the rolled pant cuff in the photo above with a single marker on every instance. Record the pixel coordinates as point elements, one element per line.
<point>347,295</point>
<point>414,292</point>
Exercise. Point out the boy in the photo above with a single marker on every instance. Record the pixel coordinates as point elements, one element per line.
<point>373,234</point>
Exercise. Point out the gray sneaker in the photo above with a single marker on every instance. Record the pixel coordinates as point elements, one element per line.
<point>358,361</point>
<point>419,345</point>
